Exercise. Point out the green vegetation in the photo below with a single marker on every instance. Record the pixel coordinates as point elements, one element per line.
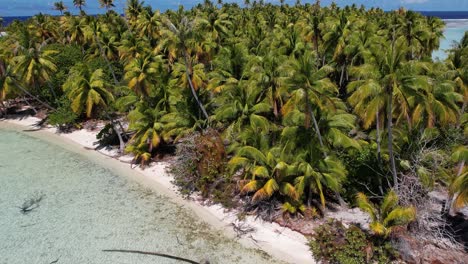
<point>299,106</point>
<point>335,243</point>
<point>389,216</point>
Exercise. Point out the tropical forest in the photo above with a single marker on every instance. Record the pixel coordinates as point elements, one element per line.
<point>288,112</point>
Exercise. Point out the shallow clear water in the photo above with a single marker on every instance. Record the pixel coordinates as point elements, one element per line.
<point>87,208</point>
<point>454,31</point>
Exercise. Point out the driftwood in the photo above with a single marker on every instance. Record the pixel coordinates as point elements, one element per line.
<point>156,254</point>
<point>242,229</point>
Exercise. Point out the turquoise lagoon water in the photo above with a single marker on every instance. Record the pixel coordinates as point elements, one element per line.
<point>87,208</point>
<point>454,31</point>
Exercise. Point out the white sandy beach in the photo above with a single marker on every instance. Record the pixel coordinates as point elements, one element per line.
<point>279,242</point>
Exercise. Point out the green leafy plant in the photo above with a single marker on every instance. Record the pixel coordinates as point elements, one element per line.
<point>335,243</point>
<point>388,216</point>
<point>64,117</point>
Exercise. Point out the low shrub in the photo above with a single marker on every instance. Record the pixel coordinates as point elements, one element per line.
<point>63,118</point>
<point>200,167</point>
<point>335,243</point>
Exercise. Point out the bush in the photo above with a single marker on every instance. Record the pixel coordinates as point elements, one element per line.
<point>64,118</point>
<point>66,57</point>
<point>200,167</point>
<point>107,137</point>
<point>334,243</point>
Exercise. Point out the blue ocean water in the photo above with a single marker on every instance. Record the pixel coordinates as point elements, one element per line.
<point>440,14</point>
<point>8,20</point>
<point>454,31</point>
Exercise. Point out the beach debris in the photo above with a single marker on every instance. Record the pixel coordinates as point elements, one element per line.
<point>156,254</point>
<point>31,203</point>
<point>242,229</point>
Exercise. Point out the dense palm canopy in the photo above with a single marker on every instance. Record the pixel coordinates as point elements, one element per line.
<point>307,98</point>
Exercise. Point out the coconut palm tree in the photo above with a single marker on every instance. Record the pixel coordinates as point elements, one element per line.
<point>178,40</point>
<point>142,74</point>
<point>388,72</point>
<point>267,73</point>
<point>10,85</point>
<point>74,28</point>
<point>93,31</point>
<point>457,63</point>
<point>108,4</point>
<point>79,4</point>
<point>60,6</point>
<point>239,106</point>
<point>149,25</point>
<point>267,171</point>
<point>87,89</point>
<point>132,46</point>
<point>311,88</point>
<point>458,189</point>
<point>145,122</point>
<point>133,9</point>
<point>34,65</point>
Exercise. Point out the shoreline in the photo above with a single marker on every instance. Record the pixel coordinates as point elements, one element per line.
<point>279,242</point>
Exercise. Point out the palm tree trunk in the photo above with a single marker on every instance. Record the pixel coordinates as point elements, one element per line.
<point>390,139</point>
<point>314,120</point>
<point>33,96</point>
<point>379,147</point>
<point>377,137</point>
<point>189,79</point>
<point>462,111</point>
<point>342,89</point>
<point>116,130</point>
<point>116,82</point>
<point>101,51</point>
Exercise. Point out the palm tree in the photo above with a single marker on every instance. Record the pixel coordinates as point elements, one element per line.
<point>149,25</point>
<point>141,74</point>
<point>240,107</point>
<point>311,88</point>
<point>434,101</point>
<point>388,216</point>
<point>9,83</point>
<point>388,72</point>
<point>44,27</point>
<point>133,10</point>
<point>266,72</point>
<point>34,65</point>
<point>108,4</point>
<point>60,6</point>
<point>74,28</point>
<point>178,39</point>
<point>87,89</point>
<point>458,189</point>
<point>132,46</point>
<point>93,30</point>
<point>267,171</point>
<point>79,4</point>
<point>368,100</point>
<point>457,63</point>
<point>145,122</point>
